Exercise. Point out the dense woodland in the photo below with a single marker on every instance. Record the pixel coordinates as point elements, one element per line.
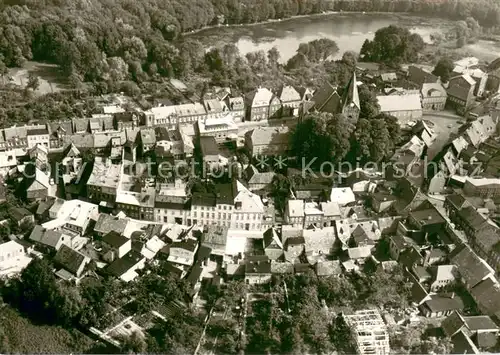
<point>102,40</point>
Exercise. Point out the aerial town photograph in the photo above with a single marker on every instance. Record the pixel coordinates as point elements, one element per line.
<point>211,177</point>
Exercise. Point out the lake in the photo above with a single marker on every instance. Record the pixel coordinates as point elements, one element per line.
<point>349,30</point>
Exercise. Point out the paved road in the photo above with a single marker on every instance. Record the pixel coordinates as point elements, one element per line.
<point>445,124</point>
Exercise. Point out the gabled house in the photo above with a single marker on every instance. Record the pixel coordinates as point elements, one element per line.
<point>421,76</point>
<point>440,305</point>
<point>257,270</point>
<point>271,141</point>
<point>273,247</point>
<point>125,268</point>
<point>212,154</point>
<point>290,100</point>
<point>262,105</point>
<point>183,252</point>
<point>487,296</point>
<point>461,92</point>
<point>51,240</point>
<point>433,96</point>
<point>481,329</point>
<point>13,258</point>
<point>115,246</point>
<point>472,268</point>
<point>257,181</point>
<point>442,276</point>
<point>20,215</point>
<point>405,107</point>
<point>71,261</point>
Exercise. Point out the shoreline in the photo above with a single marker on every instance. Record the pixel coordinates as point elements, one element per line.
<point>326,13</point>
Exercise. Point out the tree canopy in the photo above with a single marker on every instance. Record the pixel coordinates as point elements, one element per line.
<point>392,45</point>
<point>321,136</point>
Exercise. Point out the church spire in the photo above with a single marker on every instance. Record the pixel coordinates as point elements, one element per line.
<point>352,96</point>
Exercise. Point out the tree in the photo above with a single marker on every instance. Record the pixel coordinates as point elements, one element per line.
<point>4,231</point>
<point>350,58</point>
<point>380,139</point>
<point>273,57</point>
<point>369,103</point>
<point>337,291</point>
<point>321,137</point>
<point>393,128</point>
<point>133,344</point>
<point>444,68</point>
<point>33,82</point>
<point>393,46</point>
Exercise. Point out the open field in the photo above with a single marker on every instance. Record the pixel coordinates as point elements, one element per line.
<point>48,76</point>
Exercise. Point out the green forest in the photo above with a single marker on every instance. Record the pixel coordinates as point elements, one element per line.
<point>95,40</point>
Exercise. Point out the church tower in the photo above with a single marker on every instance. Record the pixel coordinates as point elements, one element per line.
<point>351,106</point>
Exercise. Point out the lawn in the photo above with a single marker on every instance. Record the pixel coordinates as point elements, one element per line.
<point>19,335</point>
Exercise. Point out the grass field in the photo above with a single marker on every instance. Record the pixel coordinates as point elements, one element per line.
<point>48,76</point>
<point>19,335</point>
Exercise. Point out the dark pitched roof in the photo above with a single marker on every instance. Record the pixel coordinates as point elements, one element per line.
<point>18,213</point>
<point>195,273</point>
<point>258,264</point>
<point>70,259</point>
<point>326,99</point>
<point>459,87</point>
<point>120,266</point>
<point>487,295</point>
<point>351,95</point>
<point>473,218</point>
<point>470,266</point>
<point>484,340</point>
<point>208,146</point>
<point>442,303</point>
<point>115,239</point>
<point>107,223</point>
<point>203,199</point>
<point>475,323</point>
<point>420,76</point>
<point>225,193</point>
<point>453,323</point>
<point>457,200</point>
<point>462,344</point>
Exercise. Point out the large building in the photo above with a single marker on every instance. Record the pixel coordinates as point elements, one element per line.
<point>267,141</point>
<point>104,181</point>
<point>262,104</point>
<point>433,96</point>
<point>461,92</point>
<point>369,332</point>
<point>232,206</point>
<point>222,128</point>
<point>405,107</point>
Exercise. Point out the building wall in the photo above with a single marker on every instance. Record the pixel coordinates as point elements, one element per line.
<point>259,113</point>
<point>434,103</point>
<point>406,115</point>
<point>171,215</point>
<point>485,191</point>
<point>38,139</point>
<point>257,279</point>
